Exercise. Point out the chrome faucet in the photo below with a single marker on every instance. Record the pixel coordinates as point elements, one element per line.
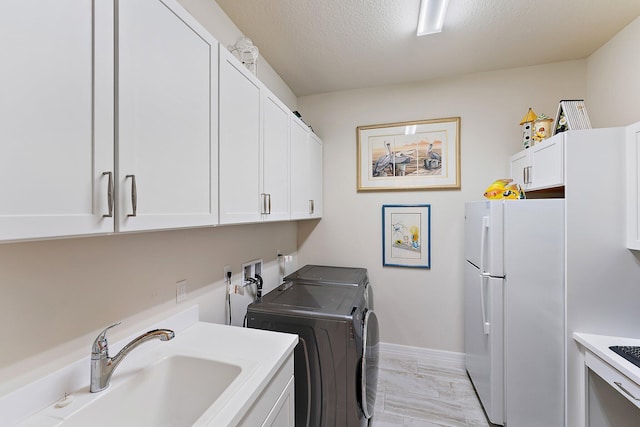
<point>102,366</point>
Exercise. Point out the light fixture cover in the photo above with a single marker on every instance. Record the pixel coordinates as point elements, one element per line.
<point>431,16</point>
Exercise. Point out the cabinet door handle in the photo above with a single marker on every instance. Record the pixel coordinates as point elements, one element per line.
<point>109,194</point>
<point>311,207</point>
<point>134,196</point>
<point>619,384</point>
<point>269,203</point>
<point>263,209</point>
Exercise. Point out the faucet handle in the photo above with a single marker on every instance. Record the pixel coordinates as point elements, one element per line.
<point>100,345</point>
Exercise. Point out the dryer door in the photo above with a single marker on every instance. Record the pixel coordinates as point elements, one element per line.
<point>369,367</point>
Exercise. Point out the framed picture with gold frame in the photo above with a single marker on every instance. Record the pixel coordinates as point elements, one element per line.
<point>417,155</point>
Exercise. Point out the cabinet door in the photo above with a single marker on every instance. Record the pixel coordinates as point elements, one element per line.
<point>283,412</point>
<point>315,178</point>
<point>520,168</point>
<point>239,142</point>
<point>167,121</point>
<point>547,163</point>
<point>56,118</point>
<point>633,186</point>
<point>300,173</point>
<point>275,159</point>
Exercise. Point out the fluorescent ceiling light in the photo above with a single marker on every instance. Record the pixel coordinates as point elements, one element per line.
<point>431,16</point>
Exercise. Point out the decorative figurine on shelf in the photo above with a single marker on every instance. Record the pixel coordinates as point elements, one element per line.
<point>527,127</point>
<point>246,52</point>
<point>503,189</point>
<point>542,128</point>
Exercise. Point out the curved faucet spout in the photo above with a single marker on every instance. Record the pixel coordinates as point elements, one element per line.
<point>102,366</point>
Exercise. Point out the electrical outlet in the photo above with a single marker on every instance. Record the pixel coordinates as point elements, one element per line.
<point>181,291</point>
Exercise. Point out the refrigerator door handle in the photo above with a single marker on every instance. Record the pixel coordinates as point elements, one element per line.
<point>483,239</point>
<point>486,326</point>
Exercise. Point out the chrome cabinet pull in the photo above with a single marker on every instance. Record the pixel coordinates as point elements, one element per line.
<point>311,207</point>
<point>134,195</point>
<point>266,203</point>
<point>109,194</point>
<point>619,384</point>
<point>527,174</point>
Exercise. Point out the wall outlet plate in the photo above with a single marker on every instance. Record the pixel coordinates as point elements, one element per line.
<point>181,291</point>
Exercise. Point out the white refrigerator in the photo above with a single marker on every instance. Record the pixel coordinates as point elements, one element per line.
<point>514,299</point>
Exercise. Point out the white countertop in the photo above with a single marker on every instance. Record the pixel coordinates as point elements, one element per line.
<point>259,354</point>
<point>599,345</point>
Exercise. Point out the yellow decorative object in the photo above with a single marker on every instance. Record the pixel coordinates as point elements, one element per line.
<point>503,189</point>
<point>529,117</point>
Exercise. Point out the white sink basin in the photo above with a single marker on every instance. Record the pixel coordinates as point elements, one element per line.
<point>175,391</point>
<point>209,375</point>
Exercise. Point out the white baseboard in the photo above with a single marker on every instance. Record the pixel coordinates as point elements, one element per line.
<point>426,355</point>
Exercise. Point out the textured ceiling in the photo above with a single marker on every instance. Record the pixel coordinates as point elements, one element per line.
<point>320,46</point>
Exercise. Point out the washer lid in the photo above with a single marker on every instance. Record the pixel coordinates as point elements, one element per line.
<point>330,275</point>
<point>311,298</point>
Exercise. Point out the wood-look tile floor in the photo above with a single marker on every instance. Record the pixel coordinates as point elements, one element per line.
<point>415,393</point>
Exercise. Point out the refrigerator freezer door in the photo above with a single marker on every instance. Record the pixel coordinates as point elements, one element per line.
<point>483,234</point>
<point>483,339</point>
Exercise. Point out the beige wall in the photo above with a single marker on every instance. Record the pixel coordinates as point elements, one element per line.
<point>613,80</point>
<point>416,307</point>
<point>54,292</point>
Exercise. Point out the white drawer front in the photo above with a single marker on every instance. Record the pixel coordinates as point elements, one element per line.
<point>626,387</point>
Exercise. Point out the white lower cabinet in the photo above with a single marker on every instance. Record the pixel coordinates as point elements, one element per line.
<point>283,412</point>
<point>275,405</point>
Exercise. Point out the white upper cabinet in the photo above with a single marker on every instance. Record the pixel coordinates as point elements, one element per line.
<point>56,118</point>
<point>127,116</point>
<point>254,148</point>
<point>315,181</point>
<point>633,185</point>
<point>167,118</point>
<point>541,166</point>
<point>240,140</point>
<point>275,159</point>
<point>306,172</point>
